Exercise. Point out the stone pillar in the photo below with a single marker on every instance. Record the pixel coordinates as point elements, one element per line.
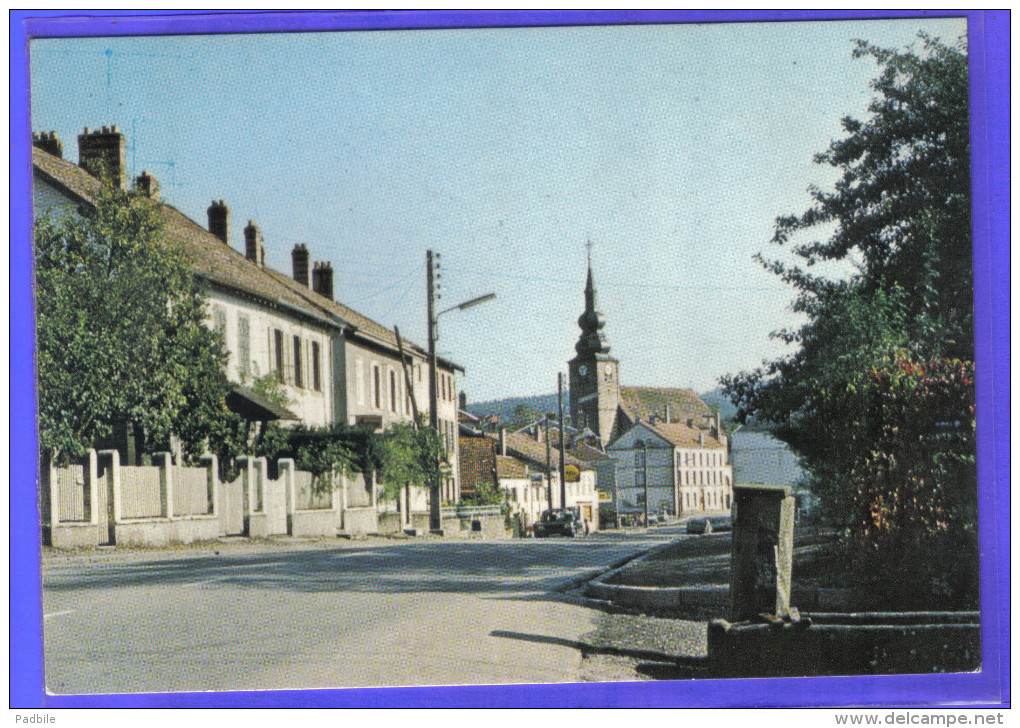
<point>247,467</point>
<point>286,471</point>
<point>54,491</point>
<point>212,467</point>
<point>113,489</point>
<point>375,498</point>
<point>761,562</point>
<point>261,474</point>
<point>165,463</point>
<point>92,485</point>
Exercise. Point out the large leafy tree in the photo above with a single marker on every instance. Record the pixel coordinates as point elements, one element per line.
<point>877,397</point>
<point>901,209</point>
<point>121,335</point>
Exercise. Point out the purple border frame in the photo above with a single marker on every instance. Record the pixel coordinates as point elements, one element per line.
<point>989,47</point>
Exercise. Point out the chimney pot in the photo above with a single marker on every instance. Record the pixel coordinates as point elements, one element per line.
<point>322,279</point>
<point>48,142</point>
<point>299,259</point>
<point>147,185</point>
<point>253,248</point>
<point>219,220</point>
<point>102,153</point>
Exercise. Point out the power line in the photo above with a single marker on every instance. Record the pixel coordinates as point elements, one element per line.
<point>628,284</point>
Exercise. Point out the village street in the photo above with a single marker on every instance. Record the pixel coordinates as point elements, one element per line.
<point>287,615</point>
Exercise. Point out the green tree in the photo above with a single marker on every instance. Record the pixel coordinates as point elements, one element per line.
<point>901,209</point>
<point>120,331</point>
<point>408,454</point>
<point>877,397</point>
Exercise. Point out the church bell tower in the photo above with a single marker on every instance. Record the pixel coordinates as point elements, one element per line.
<point>594,374</point>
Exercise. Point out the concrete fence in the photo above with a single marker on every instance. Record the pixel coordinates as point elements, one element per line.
<point>100,502</point>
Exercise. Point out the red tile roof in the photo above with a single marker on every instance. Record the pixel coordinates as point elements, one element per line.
<point>641,403</point>
<point>683,436</point>
<point>510,467</point>
<point>215,261</point>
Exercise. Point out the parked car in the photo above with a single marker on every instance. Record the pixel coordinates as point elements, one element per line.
<point>710,525</point>
<point>559,523</point>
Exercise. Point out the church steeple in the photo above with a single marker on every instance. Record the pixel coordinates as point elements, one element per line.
<point>593,338</point>
<point>594,374</point>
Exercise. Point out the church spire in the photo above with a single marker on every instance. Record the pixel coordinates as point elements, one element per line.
<point>593,339</point>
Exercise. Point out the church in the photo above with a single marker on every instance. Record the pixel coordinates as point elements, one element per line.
<point>669,447</point>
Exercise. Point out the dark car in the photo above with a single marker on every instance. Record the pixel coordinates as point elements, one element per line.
<point>559,523</point>
<point>710,525</point>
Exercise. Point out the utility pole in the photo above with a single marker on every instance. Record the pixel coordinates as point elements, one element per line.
<point>563,443</point>
<point>644,475</point>
<point>548,461</point>
<point>435,506</point>
<point>432,259</point>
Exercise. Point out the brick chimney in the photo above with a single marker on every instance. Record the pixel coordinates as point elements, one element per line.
<point>299,257</point>
<point>322,279</point>
<point>219,219</point>
<point>48,142</point>
<point>502,441</point>
<point>103,152</point>
<point>253,248</point>
<point>147,185</point>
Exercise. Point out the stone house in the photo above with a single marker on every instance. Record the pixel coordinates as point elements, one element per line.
<point>530,450</point>
<point>683,464</point>
<point>335,364</point>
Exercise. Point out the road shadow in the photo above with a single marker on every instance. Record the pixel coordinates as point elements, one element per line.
<point>657,665</point>
<point>534,570</point>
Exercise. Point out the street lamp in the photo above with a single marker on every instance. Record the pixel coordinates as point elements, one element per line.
<point>435,506</point>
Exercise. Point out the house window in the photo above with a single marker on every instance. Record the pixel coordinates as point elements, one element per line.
<point>243,345</point>
<point>393,391</point>
<point>299,378</point>
<point>220,322</point>
<point>278,351</point>
<point>640,464</point>
<point>376,388</point>
<point>316,376</point>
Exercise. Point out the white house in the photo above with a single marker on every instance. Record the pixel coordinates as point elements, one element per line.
<point>335,364</point>
<point>683,465</point>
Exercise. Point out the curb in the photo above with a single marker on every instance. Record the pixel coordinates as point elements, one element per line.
<point>655,597</point>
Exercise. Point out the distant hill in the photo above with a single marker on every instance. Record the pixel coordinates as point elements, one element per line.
<point>716,398</point>
<point>505,408</point>
<point>540,403</point>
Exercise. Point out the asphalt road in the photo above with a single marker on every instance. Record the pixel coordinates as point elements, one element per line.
<point>290,615</point>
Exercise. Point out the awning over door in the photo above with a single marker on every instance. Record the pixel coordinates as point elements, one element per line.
<point>254,407</point>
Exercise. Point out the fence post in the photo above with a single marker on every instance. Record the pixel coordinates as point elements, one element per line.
<point>211,464</point>
<point>286,471</point>
<point>54,490</point>
<point>113,489</point>
<point>91,482</point>
<point>247,467</point>
<point>164,462</point>
<point>261,473</point>
<point>285,467</point>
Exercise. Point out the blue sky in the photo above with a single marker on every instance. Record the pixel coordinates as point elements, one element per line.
<point>672,148</point>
